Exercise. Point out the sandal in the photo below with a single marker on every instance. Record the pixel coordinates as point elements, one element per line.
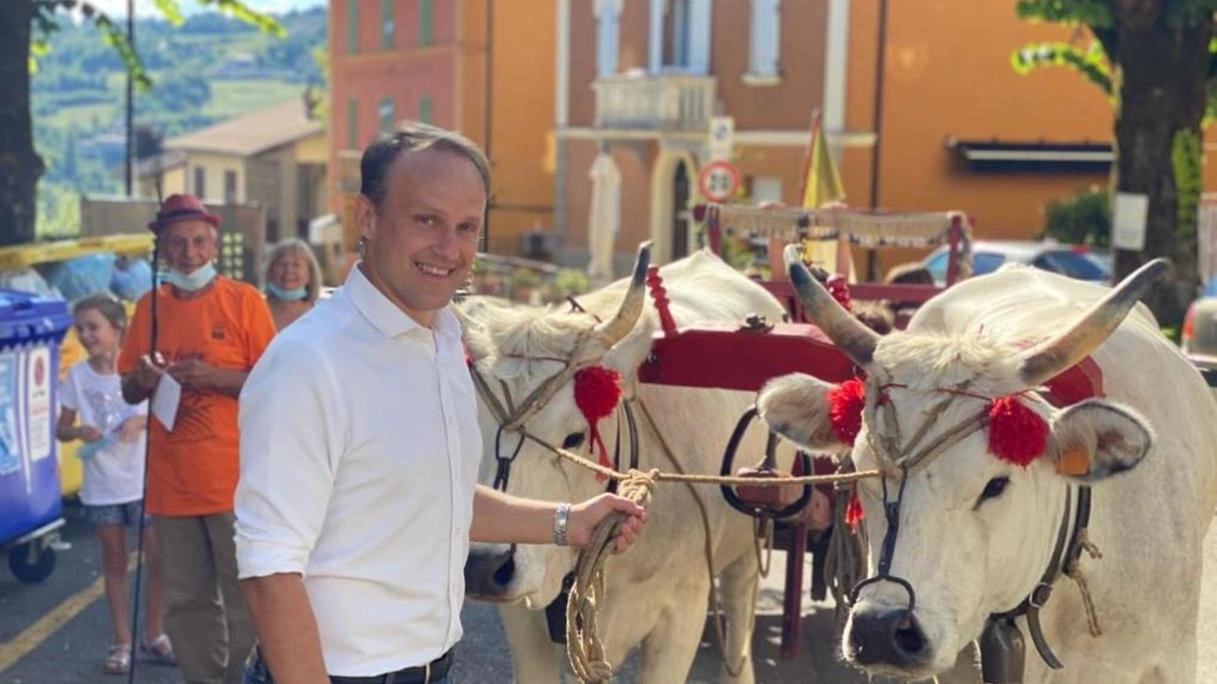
<point>119,659</point>
<point>159,651</point>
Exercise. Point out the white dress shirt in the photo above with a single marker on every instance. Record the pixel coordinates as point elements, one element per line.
<point>359,457</point>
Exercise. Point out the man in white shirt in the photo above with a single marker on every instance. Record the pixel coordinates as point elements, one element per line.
<point>360,446</point>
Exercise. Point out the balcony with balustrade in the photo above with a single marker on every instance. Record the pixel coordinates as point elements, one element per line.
<point>663,102</point>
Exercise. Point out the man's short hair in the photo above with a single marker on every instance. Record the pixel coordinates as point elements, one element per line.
<point>412,136</point>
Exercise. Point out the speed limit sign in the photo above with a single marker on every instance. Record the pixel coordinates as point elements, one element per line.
<point>718,181</point>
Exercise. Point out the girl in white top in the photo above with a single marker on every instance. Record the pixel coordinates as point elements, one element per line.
<point>113,486</point>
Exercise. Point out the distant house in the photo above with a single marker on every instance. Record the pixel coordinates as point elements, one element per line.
<point>274,157</point>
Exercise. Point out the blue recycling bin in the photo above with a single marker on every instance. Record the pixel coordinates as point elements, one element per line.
<point>31,508</point>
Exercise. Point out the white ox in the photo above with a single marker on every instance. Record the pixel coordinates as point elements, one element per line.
<point>975,532</point>
<point>657,590</point>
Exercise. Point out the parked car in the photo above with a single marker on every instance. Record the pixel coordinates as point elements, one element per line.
<point>1075,261</point>
<point>1199,335</point>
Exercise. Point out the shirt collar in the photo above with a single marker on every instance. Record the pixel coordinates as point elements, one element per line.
<point>386,317</point>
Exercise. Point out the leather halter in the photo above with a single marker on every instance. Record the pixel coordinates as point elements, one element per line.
<point>1077,383</point>
<point>512,419</point>
<point>1064,554</point>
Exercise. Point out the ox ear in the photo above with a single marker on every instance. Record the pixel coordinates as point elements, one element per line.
<point>796,407</point>
<point>1095,439</point>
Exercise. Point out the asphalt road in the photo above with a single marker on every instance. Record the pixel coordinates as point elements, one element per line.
<point>57,632</point>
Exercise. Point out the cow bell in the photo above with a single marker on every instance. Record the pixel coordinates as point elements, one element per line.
<point>1003,654</point>
<point>555,612</point>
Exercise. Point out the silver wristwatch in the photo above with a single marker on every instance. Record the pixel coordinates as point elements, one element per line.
<point>560,517</point>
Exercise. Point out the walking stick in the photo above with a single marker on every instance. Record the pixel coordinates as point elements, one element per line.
<point>139,553</point>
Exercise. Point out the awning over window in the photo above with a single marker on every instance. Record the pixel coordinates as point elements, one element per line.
<point>1002,155</point>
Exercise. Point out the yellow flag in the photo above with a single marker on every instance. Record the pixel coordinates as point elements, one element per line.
<point>822,185</point>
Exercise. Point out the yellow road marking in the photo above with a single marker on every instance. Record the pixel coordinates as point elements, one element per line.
<point>33,636</point>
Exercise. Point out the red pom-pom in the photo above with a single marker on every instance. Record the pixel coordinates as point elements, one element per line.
<point>845,403</point>
<point>597,391</point>
<point>839,289</point>
<point>1016,433</point>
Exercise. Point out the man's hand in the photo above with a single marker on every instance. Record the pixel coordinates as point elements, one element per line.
<point>88,433</point>
<point>131,427</point>
<point>147,375</point>
<point>195,374</point>
<point>584,518</point>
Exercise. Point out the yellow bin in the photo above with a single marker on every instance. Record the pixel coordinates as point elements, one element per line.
<point>71,351</point>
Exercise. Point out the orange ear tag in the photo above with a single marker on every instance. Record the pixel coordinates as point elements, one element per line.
<point>1074,461</point>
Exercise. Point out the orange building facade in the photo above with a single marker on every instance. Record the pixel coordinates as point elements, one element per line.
<point>919,100</point>
<point>466,65</point>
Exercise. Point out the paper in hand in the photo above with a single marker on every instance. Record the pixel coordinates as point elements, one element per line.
<point>165,400</point>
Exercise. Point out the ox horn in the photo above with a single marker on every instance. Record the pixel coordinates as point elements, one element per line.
<point>613,331</point>
<point>1053,356</point>
<point>848,333</point>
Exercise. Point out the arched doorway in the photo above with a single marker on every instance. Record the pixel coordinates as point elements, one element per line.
<point>680,210</point>
<point>673,175</point>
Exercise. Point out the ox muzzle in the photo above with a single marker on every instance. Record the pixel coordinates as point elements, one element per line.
<point>883,636</point>
<point>489,571</point>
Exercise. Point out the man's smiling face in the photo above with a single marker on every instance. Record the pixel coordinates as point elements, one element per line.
<point>421,241</point>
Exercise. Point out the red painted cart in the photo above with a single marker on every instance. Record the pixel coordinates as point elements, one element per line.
<point>709,355</point>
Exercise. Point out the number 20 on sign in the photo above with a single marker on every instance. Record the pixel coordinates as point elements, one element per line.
<point>718,181</point>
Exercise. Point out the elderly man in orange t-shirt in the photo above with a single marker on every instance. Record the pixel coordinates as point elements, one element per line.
<point>210,331</point>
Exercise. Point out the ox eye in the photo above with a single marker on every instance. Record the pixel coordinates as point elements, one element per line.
<point>994,489</point>
<point>573,441</point>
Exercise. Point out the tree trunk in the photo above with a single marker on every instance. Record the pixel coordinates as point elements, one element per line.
<point>1161,79</point>
<point>20,165</point>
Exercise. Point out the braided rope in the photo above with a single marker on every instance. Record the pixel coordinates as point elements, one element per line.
<point>584,647</point>
<point>693,478</point>
<point>1074,572</point>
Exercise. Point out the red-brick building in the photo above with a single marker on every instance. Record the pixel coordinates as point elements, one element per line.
<point>439,61</point>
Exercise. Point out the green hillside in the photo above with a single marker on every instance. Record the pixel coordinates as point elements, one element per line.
<point>206,70</point>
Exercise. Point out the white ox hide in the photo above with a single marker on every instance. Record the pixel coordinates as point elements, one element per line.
<point>657,591</point>
<point>975,532</point>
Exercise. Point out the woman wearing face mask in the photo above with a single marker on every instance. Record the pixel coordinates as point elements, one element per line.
<point>292,279</point>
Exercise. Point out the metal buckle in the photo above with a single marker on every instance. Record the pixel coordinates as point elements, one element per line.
<point>1040,595</point>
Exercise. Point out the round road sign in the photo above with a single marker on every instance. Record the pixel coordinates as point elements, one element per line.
<point>718,181</point>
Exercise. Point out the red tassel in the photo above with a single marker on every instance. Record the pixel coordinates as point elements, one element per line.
<point>1016,433</point>
<point>839,289</point>
<point>853,511</point>
<point>845,402</point>
<point>597,391</point>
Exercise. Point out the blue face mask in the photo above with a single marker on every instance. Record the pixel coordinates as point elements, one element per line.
<point>284,294</point>
<point>192,282</point>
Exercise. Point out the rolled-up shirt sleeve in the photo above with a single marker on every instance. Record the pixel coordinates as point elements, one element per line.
<point>291,441</point>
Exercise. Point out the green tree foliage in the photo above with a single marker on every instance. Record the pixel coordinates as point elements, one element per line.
<point>1157,61</point>
<point>1084,218</point>
<point>27,28</point>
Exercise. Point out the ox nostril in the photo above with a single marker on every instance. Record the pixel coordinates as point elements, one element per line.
<point>503,575</point>
<point>908,636</point>
<point>489,570</point>
<point>887,638</point>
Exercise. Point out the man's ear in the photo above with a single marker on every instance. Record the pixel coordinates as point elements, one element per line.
<point>1095,439</point>
<point>365,217</point>
<point>796,407</point>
